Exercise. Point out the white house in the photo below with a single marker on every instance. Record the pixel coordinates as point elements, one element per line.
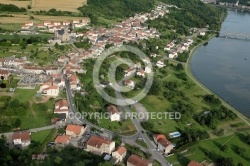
<point>114,113</point>
<point>146,60</point>
<point>119,154</point>
<point>61,104</point>
<point>52,91</point>
<point>74,130</point>
<point>202,33</point>
<point>99,145</point>
<point>160,64</point>
<point>141,73</point>
<point>148,69</point>
<point>129,72</point>
<point>21,138</point>
<point>129,83</point>
<point>163,144</point>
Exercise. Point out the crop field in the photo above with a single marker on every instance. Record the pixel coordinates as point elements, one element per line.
<point>16,2</point>
<point>66,5</point>
<point>21,18</point>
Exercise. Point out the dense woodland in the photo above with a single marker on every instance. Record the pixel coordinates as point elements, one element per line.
<point>11,8</point>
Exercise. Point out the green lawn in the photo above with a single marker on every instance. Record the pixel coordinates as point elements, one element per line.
<point>125,128</point>
<point>34,117</point>
<point>24,95</point>
<point>197,151</point>
<point>142,143</point>
<point>44,136</point>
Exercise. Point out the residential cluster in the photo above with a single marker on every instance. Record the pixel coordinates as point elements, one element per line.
<point>175,49</point>
<point>49,26</point>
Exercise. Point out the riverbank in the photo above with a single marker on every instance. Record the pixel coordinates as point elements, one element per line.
<point>192,77</point>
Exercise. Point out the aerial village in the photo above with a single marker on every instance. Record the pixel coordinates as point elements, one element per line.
<point>53,79</point>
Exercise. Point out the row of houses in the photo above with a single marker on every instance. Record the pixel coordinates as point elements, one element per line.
<point>56,25</point>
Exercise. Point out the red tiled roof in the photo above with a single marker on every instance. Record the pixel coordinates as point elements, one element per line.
<point>62,139</point>
<point>121,150</point>
<point>62,103</point>
<point>23,135</point>
<point>113,109</point>
<point>97,141</point>
<point>4,72</point>
<point>60,110</point>
<point>138,161</point>
<point>161,139</point>
<point>74,128</point>
<point>193,163</point>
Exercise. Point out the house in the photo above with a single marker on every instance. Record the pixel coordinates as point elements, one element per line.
<point>160,64</point>
<point>61,107</point>
<point>99,145</point>
<point>21,138</point>
<point>148,69</point>
<point>135,160</point>
<point>129,83</point>
<point>202,33</point>
<point>129,72</point>
<point>137,65</point>
<point>162,143</point>
<point>58,80</point>
<point>52,91</point>
<point>193,163</point>
<point>146,60</point>
<point>119,154</point>
<point>73,81</point>
<point>62,139</point>
<point>46,23</point>
<point>74,130</point>
<point>61,104</point>
<point>76,21</point>
<point>153,55</point>
<point>114,113</point>
<point>4,74</point>
<point>141,73</point>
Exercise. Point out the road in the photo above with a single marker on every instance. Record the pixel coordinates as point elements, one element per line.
<point>142,133</point>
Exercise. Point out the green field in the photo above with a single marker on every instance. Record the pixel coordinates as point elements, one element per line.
<point>199,151</point>
<point>125,128</point>
<point>39,112</point>
<point>44,136</point>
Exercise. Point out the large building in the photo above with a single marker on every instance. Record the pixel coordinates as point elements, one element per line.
<point>21,138</point>
<point>135,160</point>
<point>99,145</point>
<point>62,35</point>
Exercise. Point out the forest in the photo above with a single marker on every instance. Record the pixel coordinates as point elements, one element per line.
<point>11,8</point>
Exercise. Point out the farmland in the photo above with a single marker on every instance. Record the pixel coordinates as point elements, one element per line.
<point>57,4</point>
<point>18,3</point>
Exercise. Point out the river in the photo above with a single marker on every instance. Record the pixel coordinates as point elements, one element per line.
<point>223,65</point>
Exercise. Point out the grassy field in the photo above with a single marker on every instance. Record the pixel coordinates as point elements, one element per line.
<point>57,4</point>
<point>44,137</point>
<point>124,128</point>
<point>18,3</point>
<point>198,151</point>
<point>33,117</point>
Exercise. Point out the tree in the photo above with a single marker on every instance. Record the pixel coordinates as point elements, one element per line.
<point>17,123</point>
<point>225,162</point>
<point>58,160</point>
<point>224,148</point>
<point>156,86</point>
<point>241,151</point>
<point>29,7</point>
<point>179,67</point>
<point>32,17</point>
